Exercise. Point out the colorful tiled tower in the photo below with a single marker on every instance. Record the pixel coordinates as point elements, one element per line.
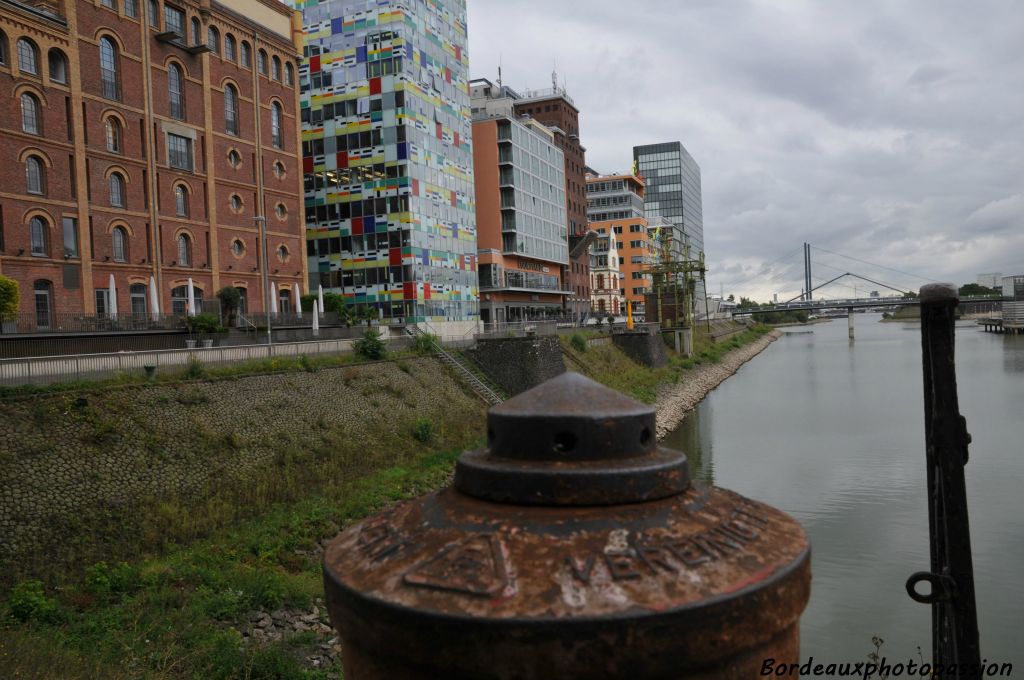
<point>388,159</point>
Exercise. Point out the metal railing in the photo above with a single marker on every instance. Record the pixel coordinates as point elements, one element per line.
<point>83,323</point>
<point>482,389</point>
<point>54,369</point>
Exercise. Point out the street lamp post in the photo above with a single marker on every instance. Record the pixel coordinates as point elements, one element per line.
<point>262,220</point>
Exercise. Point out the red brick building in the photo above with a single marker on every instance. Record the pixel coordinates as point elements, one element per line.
<point>140,139</point>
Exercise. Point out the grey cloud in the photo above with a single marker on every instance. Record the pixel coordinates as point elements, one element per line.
<point>890,132</point>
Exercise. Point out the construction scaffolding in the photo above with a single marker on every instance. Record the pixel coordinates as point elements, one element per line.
<point>674,282</point>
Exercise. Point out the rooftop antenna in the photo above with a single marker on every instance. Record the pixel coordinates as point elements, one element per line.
<point>554,75</point>
<point>499,71</point>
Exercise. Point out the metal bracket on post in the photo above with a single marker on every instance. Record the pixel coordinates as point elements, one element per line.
<point>951,579</point>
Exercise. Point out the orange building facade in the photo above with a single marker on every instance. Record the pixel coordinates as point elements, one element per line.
<point>615,207</point>
<point>521,223</point>
<point>141,140</point>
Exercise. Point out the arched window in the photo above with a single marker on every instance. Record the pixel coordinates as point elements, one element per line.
<point>289,74</point>
<point>275,68</point>
<point>38,235</point>
<point>261,62</point>
<point>197,32</point>
<point>230,51</point>
<point>184,250</point>
<point>179,299</point>
<point>3,48</point>
<point>34,175</point>
<point>44,309</point>
<point>231,110</point>
<point>246,55</point>
<point>137,295</point>
<point>111,4</point>
<point>284,301</point>
<point>176,91</point>
<point>119,244</point>
<point>58,67</point>
<point>116,183</point>
<point>28,56</point>
<point>181,201</point>
<point>30,121</point>
<point>109,69</point>
<point>213,39</point>
<point>113,127</point>
<point>275,125</point>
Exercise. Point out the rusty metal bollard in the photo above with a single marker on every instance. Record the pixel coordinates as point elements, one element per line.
<point>571,547</point>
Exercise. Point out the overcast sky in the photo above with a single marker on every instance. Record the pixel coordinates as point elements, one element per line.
<point>892,132</point>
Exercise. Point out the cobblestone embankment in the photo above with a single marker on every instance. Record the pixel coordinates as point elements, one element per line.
<point>64,458</point>
<point>675,401</point>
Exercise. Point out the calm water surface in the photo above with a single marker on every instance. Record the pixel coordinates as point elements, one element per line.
<point>833,433</point>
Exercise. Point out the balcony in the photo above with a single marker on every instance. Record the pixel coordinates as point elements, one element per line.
<point>508,199</point>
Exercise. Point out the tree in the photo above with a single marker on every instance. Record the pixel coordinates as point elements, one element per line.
<point>230,297</point>
<point>747,303</point>
<point>368,314</point>
<point>731,298</point>
<point>969,289</point>
<point>9,297</point>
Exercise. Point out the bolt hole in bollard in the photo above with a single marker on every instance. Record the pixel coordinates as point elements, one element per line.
<point>573,547</point>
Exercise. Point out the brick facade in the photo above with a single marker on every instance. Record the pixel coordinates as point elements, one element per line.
<point>234,176</point>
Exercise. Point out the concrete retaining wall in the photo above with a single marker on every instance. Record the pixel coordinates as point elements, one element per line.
<point>517,364</point>
<point>642,347</point>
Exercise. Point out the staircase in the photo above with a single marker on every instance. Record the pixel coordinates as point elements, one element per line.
<point>482,389</point>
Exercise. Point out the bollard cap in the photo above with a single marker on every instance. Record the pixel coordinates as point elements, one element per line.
<point>939,293</point>
<point>599,561</point>
<point>572,441</point>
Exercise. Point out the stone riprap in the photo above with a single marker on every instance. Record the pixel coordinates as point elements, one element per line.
<point>65,457</point>
<point>676,400</point>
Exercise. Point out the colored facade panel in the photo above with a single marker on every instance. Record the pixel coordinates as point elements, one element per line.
<point>387,142</point>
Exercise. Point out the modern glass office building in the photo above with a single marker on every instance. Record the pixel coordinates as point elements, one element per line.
<point>388,161</point>
<point>674,193</point>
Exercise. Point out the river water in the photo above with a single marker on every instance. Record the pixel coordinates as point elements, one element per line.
<point>833,433</point>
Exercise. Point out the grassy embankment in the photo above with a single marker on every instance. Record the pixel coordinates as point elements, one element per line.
<point>609,366</point>
<point>161,589</point>
<point>176,615</point>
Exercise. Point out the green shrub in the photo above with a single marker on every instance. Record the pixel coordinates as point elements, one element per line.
<point>306,364</point>
<point>370,346</point>
<point>194,370</point>
<point>27,601</point>
<point>578,342</point>
<point>8,297</point>
<point>110,582</point>
<point>204,323</point>
<point>424,344</point>
<point>423,430</point>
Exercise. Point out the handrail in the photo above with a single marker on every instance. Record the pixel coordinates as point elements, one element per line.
<point>481,388</point>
